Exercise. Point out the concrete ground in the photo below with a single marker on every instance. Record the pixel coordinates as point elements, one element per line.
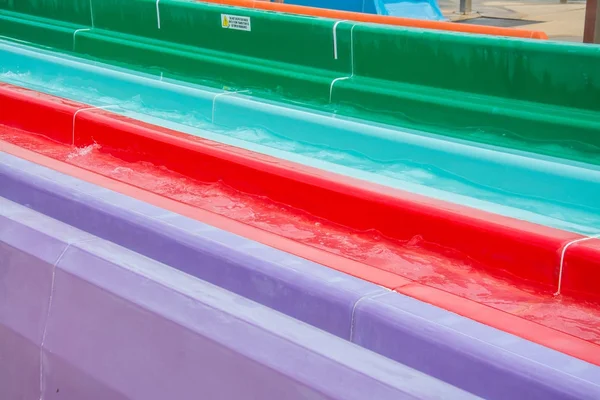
<point>559,21</point>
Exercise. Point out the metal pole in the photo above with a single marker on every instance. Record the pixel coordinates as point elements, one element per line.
<point>591,31</point>
<point>465,6</point>
<point>597,24</point>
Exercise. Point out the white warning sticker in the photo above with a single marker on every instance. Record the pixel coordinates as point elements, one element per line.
<point>235,22</point>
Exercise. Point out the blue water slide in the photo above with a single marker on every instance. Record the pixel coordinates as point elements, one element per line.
<point>418,9</point>
<point>424,9</point>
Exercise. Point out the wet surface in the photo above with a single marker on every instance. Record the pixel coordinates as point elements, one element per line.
<point>499,22</point>
<point>414,259</point>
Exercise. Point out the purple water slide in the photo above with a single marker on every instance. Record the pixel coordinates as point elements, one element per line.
<point>83,318</point>
<point>467,354</point>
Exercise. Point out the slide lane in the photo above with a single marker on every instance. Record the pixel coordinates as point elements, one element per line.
<point>491,179</point>
<point>430,222</point>
<point>108,323</point>
<point>464,353</point>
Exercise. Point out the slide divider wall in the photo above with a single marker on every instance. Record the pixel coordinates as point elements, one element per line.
<point>517,92</point>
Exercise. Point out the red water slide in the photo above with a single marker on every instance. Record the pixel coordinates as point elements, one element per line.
<point>496,270</point>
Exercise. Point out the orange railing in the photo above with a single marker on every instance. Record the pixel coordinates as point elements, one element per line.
<point>382,19</point>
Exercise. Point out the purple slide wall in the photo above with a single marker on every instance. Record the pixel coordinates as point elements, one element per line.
<point>83,318</point>
<point>469,355</point>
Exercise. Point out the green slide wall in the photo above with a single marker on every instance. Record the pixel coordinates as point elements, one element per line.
<point>530,95</point>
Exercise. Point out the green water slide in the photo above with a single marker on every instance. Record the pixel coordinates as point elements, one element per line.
<point>536,96</point>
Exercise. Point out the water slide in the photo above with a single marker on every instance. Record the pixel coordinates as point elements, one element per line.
<point>426,9</point>
<point>217,200</point>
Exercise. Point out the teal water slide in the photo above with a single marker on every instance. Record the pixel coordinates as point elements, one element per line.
<point>509,183</point>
